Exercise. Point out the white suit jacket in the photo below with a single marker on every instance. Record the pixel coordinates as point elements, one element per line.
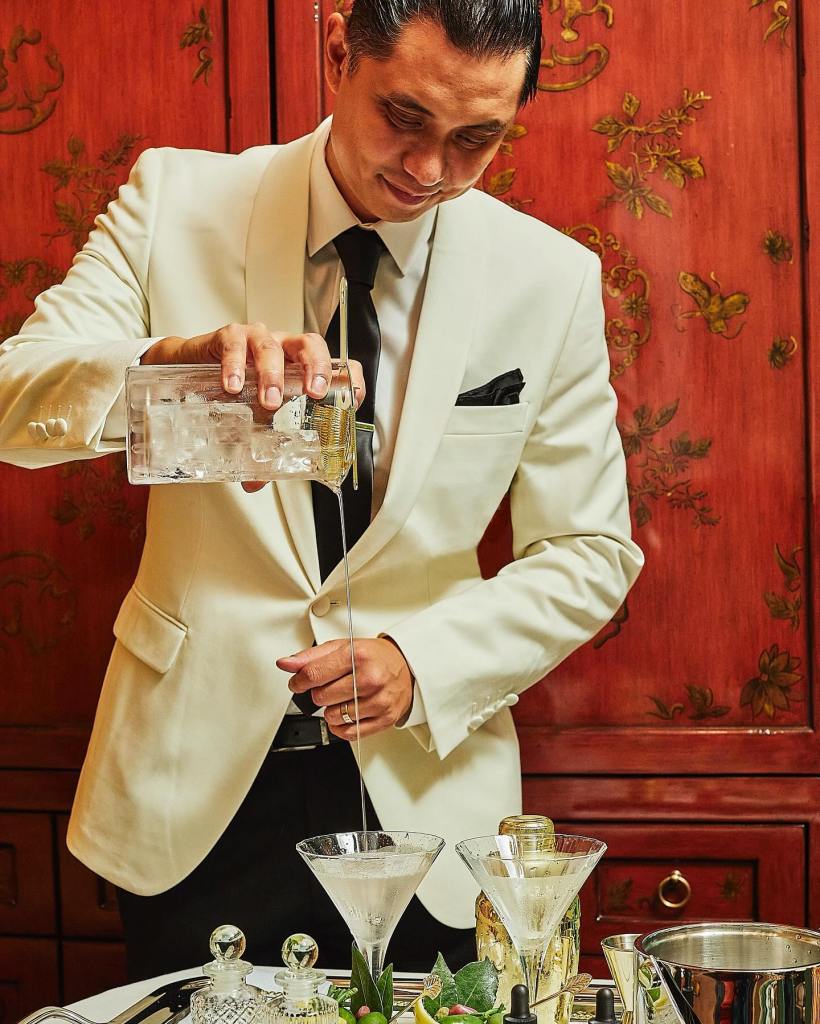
<point>229,581</point>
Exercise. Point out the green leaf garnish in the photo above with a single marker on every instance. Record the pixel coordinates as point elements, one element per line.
<point>367,993</point>
<point>385,986</point>
<point>449,995</point>
<point>477,985</point>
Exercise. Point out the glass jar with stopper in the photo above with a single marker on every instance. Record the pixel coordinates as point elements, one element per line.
<point>300,1001</point>
<point>229,999</point>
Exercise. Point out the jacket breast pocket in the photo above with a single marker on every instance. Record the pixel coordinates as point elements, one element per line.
<point>148,632</point>
<point>483,420</point>
<point>476,460</point>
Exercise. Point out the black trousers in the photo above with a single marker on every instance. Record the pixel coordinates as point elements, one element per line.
<point>255,879</point>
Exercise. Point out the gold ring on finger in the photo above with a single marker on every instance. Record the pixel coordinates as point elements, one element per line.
<point>346,715</point>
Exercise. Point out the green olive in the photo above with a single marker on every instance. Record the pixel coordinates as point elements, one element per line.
<point>496,1018</point>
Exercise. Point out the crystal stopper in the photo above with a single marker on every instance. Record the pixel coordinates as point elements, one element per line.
<point>299,979</point>
<point>299,951</point>
<point>227,943</point>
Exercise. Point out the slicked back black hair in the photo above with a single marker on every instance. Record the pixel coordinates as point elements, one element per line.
<point>481,28</point>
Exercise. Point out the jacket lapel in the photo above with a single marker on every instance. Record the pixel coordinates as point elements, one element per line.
<point>274,283</point>
<point>449,316</point>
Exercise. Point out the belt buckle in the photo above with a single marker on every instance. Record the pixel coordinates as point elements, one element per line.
<point>324,733</point>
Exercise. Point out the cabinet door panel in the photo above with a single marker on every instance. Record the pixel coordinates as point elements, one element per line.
<point>71,536</point>
<point>26,874</point>
<point>28,977</point>
<point>704,294</point>
<point>88,903</point>
<point>692,187</point>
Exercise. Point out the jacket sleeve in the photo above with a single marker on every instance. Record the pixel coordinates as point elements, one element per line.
<point>69,359</point>
<point>574,560</point>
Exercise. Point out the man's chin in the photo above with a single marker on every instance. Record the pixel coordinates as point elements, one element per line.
<point>399,213</point>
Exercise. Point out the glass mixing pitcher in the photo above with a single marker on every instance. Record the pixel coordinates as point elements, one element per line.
<point>182,427</point>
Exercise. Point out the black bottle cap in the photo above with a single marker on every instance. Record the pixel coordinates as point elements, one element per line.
<point>604,1007</point>
<point>520,1007</point>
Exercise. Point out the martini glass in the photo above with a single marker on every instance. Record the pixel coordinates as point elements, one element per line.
<point>531,890</point>
<point>371,877</point>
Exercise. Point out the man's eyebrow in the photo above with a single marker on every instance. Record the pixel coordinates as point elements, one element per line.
<point>491,126</point>
<point>402,99</point>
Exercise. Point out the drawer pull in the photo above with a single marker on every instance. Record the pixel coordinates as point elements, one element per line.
<point>674,881</point>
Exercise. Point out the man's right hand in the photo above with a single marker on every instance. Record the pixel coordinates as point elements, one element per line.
<point>238,345</point>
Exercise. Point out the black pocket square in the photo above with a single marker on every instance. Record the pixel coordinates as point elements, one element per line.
<point>501,390</point>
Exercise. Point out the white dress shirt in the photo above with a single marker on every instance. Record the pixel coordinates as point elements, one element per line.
<point>398,292</point>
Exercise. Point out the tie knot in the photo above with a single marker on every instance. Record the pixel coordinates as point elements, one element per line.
<point>359,251</point>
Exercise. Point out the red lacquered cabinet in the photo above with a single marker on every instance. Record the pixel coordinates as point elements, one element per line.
<point>677,141</point>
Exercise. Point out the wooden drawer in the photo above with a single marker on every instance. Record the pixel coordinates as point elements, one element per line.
<point>731,872</point>
<point>91,967</point>
<point>88,902</point>
<point>28,977</point>
<point>26,874</point>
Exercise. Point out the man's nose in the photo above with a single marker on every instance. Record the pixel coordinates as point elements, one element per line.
<point>426,166</point>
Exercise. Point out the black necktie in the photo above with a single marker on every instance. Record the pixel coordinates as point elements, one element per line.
<point>359,251</point>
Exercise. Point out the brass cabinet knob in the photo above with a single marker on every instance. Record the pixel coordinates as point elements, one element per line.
<point>667,886</point>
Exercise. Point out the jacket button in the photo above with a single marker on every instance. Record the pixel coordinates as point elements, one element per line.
<point>321,606</point>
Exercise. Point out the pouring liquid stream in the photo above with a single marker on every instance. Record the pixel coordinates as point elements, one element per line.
<point>350,423</point>
<point>338,492</point>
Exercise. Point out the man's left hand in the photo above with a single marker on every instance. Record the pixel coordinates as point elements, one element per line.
<point>383,681</point>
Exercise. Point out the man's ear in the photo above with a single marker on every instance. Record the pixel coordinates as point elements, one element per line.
<point>335,51</point>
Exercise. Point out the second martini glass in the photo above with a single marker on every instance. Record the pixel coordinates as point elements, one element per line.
<point>531,890</point>
<point>371,877</point>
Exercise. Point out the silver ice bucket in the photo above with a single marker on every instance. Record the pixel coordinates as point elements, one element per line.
<point>728,973</point>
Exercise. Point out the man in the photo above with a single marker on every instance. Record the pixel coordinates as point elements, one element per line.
<point>192,794</point>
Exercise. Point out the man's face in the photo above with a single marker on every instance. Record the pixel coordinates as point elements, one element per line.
<point>418,128</point>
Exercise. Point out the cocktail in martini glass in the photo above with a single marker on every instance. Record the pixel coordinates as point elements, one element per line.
<point>531,890</point>
<point>371,877</point>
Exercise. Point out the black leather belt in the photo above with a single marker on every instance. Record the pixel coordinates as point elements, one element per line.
<point>302,732</point>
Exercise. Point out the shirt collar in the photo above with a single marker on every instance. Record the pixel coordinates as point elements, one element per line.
<point>329,215</point>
